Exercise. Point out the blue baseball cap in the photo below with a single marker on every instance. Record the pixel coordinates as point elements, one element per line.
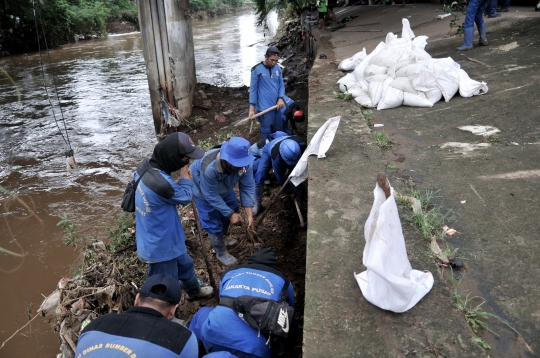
<point>236,152</point>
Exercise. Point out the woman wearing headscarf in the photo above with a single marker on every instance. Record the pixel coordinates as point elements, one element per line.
<point>161,241</point>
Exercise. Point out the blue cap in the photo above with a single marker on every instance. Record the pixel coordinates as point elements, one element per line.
<point>236,152</point>
<point>172,293</point>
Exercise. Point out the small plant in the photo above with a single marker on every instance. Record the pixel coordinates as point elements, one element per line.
<point>493,138</point>
<point>344,96</point>
<point>368,116</point>
<point>382,140</point>
<point>220,137</point>
<point>122,234</point>
<point>459,6</point>
<point>474,315</point>
<point>391,166</point>
<point>482,343</point>
<point>72,237</point>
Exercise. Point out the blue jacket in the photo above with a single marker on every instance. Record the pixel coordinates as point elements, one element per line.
<point>271,158</point>
<point>266,86</point>
<point>140,332</point>
<point>223,326</point>
<point>212,183</point>
<point>160,236</point>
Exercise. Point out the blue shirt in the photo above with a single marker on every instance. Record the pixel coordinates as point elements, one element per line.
<point>223,326</point>
<point>160,236</point>
<point>276,163</point>
<point>212,184</point>
<point>266,86</point>
<point>140,332</point>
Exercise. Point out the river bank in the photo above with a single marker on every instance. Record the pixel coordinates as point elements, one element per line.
<point>102,107</point>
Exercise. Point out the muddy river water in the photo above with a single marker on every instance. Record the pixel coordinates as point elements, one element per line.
<point>105,101</point>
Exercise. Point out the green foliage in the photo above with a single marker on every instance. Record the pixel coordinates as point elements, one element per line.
<point>430,220</point>
<point>217,139</point>
<point>61,19</point>
<point>474,315</point>
<point>264,7</point>
<point>368,116</point>
<point>123,233</point>
<point>344,96</point>
<point>382,140</point>
<point>482,343</point>
<point>70,229</point>
<point>460,7</point>
<point>391,166</point>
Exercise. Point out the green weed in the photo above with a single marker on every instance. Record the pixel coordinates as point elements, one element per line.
<point>391,166</point>
<point>368,116</point>
<point>344,96</point>
<point>460,7</point>
<point>122,234</point>
<point>430,220</point>
<point>382,140</point>
<point>482,343</point>
<point>217,139</point>
<point>493,138</point>
<point>70,229</point>
<point>475,315</point>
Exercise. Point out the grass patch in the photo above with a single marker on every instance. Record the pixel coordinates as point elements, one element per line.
<point>474,314</point>
<point>343,96</point>
<point>123,233</point>
<point>382,140</point>
<point>217,139</point>
<point>391,166</point>
<point>70,230</point>
<point>493,139</point>
<point>368,116</point>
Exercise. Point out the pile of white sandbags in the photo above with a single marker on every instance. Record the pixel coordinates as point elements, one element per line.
<point>399,71</point>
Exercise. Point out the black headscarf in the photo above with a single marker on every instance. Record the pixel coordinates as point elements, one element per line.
<point>167,155</point>
<point>263,256</point>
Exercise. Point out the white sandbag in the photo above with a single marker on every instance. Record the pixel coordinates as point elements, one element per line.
<point>51,302</point>
<point>403,84</point>
<point>420,42</point>
<point>469,87</point>
<point>446,83</point>
<point>364,100</point>
<point>434,95</point>
<point>420,54</point>
<point>375,91</point>
<point>389,56</point>
<point>376,78</point>
<point>346,81</point>
<point>363,83</point>
<point>410,69</point>
<point>356,91</point>
<point>416,100</point>
<point>389,281</point>
<point>396,66</point>
<point>407,34</point>
<point>350,63</point>
<point>391,98</point>
<point>373,70</point>
<point>359,70</point>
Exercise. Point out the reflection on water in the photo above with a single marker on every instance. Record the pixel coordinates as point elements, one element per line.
<point>103,89</point>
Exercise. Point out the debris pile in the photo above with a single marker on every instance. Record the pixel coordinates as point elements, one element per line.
<point>107,283</point>
<point>400,72</point>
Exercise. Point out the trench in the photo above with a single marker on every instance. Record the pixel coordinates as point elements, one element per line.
<point>103,89</point>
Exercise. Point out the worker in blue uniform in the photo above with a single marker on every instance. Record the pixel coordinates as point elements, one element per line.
<point>220,328</point>
<point>267,90</point>
<point>281,154</point>
<point>475,13</point>
<point>215,175</point>
<point>144,330</point>
<point>161,241</point>
<point>291,114</point>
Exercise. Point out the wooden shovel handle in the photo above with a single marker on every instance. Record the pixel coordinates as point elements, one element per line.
<point>245,120</point>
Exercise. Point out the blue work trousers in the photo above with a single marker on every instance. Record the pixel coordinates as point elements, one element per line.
<point>212,221</point>
<point>180,268</point>
<point>475,13</point>
<point>271,122</point>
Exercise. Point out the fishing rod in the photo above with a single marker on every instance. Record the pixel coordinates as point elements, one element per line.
<point>70,160</point>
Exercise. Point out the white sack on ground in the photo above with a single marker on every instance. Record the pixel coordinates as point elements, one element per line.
<point>364,100</point>
<point>346,82</point>
<point>350,63</point>
<point>356,91</point>
<point>469,87</point>
<point>319,145</point>
<point>431,78</point>
<point>389,281</point>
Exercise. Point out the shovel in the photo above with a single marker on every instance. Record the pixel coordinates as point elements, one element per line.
<point>245,120</point>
